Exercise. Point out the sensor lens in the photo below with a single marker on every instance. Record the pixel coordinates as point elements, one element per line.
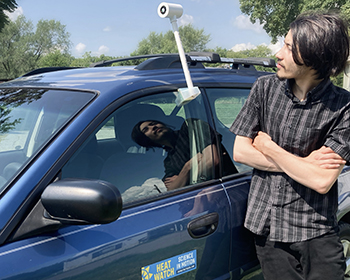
<point>163,10</point>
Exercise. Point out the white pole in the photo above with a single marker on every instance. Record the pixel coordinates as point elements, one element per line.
<point>173,12</point>
<point>181,53</point>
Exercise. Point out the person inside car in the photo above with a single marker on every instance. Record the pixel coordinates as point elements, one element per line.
<point>179,162</point>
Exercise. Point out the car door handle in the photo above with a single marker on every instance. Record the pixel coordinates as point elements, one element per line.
<point>203,226</point>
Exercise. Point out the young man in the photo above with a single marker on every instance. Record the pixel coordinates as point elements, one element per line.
<point>294,130</point>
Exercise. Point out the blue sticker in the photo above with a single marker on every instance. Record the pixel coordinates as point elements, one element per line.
<point>171,267</point>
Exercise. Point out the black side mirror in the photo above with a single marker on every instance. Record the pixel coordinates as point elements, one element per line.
<point>82,201</point>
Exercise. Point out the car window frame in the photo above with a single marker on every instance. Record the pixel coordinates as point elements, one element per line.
<point>130,97</point>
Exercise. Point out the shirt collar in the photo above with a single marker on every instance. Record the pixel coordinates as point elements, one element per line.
<point>173,141</point>
<point>313,95</point>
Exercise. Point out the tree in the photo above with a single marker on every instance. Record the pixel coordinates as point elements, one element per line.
<point>21,47</point>
<point>55,58</point>
<point>88,59</point>
<point>50,36</point>
<point>9,6</point>
<point>11,98</point>
<point>259,51</point>
<point>14,39</point>
<point>192,39</point>
<point>276,15</point>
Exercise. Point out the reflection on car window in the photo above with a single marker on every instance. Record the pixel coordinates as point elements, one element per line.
<point>226,104</point>
<point>28,119</point>
<point>183,152</point>
<point>157,147</point>
<point>107,131</point>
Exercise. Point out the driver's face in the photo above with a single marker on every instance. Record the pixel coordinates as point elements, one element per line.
<point>153,130</point>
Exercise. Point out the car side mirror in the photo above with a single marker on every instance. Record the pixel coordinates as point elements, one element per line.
<point>82,201</point>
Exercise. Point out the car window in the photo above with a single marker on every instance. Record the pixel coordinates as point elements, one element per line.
<point>226,104</point>
<point>107,131</point>
<point>28,119</point>
<point>178,153</point>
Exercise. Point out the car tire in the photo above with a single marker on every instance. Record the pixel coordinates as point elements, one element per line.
<point>344,234</point>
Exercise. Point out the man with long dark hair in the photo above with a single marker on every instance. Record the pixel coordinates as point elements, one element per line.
<point>179,160</point>
<point>294,130</point>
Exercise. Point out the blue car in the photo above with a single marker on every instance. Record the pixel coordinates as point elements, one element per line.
<point>81,198</point>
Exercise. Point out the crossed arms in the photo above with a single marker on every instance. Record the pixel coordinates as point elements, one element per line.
<point>317,171</point>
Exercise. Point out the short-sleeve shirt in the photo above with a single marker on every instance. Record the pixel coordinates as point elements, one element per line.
<point>278,206</point>
<point>180,154</point>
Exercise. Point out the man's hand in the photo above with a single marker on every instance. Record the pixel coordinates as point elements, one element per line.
<point>325,158</point>
<point>262,141</point>
<point>171,183</point>
<point>245,152</point>
<point>179,181</point>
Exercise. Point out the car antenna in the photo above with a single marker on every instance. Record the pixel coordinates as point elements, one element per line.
<point>173,12</point>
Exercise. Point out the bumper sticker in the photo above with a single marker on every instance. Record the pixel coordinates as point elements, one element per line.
<point>170,268</point>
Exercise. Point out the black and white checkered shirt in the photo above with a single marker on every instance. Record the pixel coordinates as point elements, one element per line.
<point>278,206</point>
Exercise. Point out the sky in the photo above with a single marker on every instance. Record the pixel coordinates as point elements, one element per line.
<point>115,27</point>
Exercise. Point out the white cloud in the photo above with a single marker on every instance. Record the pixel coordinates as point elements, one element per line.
<point>242,47</point>
<point>107,29</point>
<point>15,14</point>
<point>185,20</point>
<point>248,46</point>
<point>80,48</point>
<point>276,47</point>
<point>243,22</point>
<point>102,50</point>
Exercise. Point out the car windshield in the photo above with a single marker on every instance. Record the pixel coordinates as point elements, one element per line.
<point>29,118</point>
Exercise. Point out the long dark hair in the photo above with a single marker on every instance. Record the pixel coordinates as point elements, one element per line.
<point>321,41</point>
<point>140,138</point>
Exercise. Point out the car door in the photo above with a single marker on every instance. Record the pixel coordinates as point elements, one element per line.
<point>161,233</point>
<point>225,104</point>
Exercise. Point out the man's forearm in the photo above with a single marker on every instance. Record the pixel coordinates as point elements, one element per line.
<point>244,152</point>
<point>300,169</point>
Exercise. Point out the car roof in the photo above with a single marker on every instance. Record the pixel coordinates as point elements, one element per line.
<point>157,70</point>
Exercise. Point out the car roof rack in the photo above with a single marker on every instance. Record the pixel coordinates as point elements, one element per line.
<point>195,59</point>
<point>47,69</point>
<point>169,61</point>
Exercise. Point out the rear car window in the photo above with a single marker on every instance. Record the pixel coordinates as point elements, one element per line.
<point>226,104</point>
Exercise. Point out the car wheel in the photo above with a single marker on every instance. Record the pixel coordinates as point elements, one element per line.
<point>344,234</point>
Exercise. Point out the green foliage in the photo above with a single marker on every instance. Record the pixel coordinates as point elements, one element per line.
<point>14,57</point>
<point>22,47</point>
<point>9,6</point>
<point>192,40</point>
<point>11,98</point>
<point>50,35</point>
<point>338,80</point>
<point>5,123</point>
<point>88,59</point>
<point>55,58</point>
<point>259,51</point>
<point>276,15</point>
